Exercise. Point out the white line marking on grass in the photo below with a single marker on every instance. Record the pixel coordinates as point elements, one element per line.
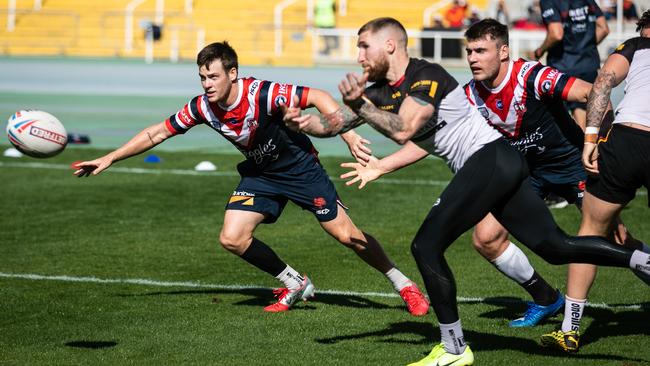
<point>189,284</point>
<point>417,182</point>
<point>33,165</point>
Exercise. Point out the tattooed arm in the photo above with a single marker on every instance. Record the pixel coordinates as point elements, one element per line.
<point>612,73</point>
<point>413,112</point>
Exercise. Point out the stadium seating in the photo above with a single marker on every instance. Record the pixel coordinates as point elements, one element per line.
<point>97,28</point>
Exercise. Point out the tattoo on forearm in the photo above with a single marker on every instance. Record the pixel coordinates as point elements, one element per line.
<point>599,97</point>
<point>350,119</point>
<point>385,122</point>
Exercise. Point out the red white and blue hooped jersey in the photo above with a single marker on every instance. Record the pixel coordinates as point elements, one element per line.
<point>527,108</point>
<point>253,123</point>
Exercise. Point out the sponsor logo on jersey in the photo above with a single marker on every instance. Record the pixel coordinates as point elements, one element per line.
<point>579,14</point>
<point>184,117</point>
<point>396,95</point>
<point>547,13</point>
<point>262,150</point>
<point>280,100</point>
<point>520,108</point>
<point>499,104</point>
<point>546,86</point>
<point>251,123</point>
<point>386,107</point>
<point>620,47</point>
<point>530,141</point>
<point>48,135</point>
<point>253,87</point>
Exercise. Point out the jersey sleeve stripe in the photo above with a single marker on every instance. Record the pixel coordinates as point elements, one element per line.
<point>270,90</point>
<point>302,93</point>
<point>565,90</point>
<point>264,100</point>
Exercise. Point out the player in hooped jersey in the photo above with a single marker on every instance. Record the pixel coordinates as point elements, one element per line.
<point>621,162</point>
<point>419,105</point>
<point>524,101</point>
<point>281,165</point>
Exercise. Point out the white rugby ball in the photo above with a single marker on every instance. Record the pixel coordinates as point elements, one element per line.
<point>36,133</point>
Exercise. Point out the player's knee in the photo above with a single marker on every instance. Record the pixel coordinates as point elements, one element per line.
<point>488,245</point>
<point>234,242</point>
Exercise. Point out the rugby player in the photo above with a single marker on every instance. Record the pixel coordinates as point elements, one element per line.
<point>573,31</point>
<point>418,104</point>
<point>621,162</point>
<point>280,166</point>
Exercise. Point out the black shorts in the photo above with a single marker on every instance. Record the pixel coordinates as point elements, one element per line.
<point>312,190</point>
<point>624,165</point>
<point>589,77</point>
<point>565,179</point>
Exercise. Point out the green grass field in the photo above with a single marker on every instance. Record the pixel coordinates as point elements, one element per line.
<point>132,273</point>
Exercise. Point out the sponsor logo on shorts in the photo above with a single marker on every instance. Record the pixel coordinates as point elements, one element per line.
<point>242,197</point>
<point>581,185</point>
<point>320,203</point>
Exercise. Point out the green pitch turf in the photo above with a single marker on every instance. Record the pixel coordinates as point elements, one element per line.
<point>130,272</point>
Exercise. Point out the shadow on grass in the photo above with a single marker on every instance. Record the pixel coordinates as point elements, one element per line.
<point>264,296</point>
<point>91,344</point>
<point>479,341</point>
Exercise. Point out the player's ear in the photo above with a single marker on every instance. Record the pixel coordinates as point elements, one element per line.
<point>390,45</point>
<point>504,52</point>
<point>232,74</point>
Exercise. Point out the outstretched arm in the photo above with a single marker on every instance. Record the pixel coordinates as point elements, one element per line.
<point>143,141</point>
<point>612,73</point>
<point>374,169</point>
<point>329,122</point>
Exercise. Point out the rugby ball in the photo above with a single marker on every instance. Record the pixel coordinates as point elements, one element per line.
<point>36,133</point>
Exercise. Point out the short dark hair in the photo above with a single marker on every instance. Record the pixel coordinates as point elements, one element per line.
<point>378,24</point>
<point>488,27</point>
<point>221,51</point>
<point>381,23</point>
<point>644,21</point>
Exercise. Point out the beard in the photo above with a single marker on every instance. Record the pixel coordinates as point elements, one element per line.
<point>379,70</point>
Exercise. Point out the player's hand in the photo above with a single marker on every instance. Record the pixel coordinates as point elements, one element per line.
<point>292,116</point>
<point>352,88</point>
<point>358,147</point>
<point>590,157</point>
<point>362,174</point>
<point>94,167</point>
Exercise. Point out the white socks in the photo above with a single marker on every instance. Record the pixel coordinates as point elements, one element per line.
<point>514,264</point>
<point>291,279</point>
<point>572,313</point>
<point>452,337</point>
<point>397,278</point>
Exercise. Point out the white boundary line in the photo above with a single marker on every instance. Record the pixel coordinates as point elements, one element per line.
<point>33,165</point>
<point>189,284</point>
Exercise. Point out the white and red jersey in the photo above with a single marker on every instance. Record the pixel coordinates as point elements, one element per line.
<point>528,109</point>
<point>253,123</point>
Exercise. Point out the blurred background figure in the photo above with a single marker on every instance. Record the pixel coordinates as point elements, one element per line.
<point>325,18</point>
<point>629,10</point>
<point>609,8</point>
<point>456,15</point>
<point>475,16</point>
<point>502,15</point>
